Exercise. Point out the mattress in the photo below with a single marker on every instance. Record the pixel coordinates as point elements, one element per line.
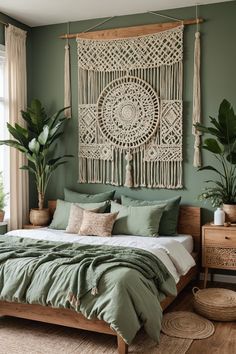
<point>173,251</point>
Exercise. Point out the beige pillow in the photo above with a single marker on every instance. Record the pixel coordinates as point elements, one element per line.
<point>97,224</point>
<point>76,217</point>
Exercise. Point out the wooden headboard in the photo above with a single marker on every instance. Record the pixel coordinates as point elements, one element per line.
<point>189,221</point>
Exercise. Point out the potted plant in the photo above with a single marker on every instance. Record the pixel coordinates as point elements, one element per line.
<point>36,142</point>
<point>2,199</point>
<point>222,145</point>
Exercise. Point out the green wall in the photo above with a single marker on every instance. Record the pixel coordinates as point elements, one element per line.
<point>218,81</point>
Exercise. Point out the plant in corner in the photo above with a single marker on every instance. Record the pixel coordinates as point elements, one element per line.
<point>36,142</point>
<point>222,145</point>
<point>2,199</point>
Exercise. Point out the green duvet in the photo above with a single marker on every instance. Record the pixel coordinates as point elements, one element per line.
<point>122,286</point>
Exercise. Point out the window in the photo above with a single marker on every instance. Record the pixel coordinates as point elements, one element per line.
<point>4,151</point>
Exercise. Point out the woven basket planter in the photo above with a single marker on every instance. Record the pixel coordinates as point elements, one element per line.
<point>39,217</point>
<point>2,213</point>
<point>215,303</point>
<point>230,212</point>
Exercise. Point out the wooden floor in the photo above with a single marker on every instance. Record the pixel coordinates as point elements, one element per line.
<point>223,341</point>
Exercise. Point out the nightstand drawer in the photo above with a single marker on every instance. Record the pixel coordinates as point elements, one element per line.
<point>219,257</point>
<point>222,237</point>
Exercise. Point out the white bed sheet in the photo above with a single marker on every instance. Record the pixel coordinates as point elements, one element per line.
<point>173,251</point>
<point>185,240</point>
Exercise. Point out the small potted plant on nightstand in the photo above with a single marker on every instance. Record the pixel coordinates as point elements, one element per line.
<point>2,199</point>
<point>222,145</point>
<point>36,142</point>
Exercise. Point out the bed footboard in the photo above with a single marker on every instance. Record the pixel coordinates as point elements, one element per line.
<point>60,316</point>
<point>122,346</point>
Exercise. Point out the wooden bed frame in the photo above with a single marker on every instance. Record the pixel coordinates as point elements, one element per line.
<point>189,223</point>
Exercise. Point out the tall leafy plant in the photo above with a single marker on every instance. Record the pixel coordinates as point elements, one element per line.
<point>36,142</point>
<point>222,145</point>
<point>2,194</point>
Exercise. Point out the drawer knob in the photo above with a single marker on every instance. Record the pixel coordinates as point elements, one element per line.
<point>227,237</point>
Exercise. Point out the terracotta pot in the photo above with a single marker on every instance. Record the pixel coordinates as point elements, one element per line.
<point>39,217</point>
<point>230,212</point>
<point>2,213</point>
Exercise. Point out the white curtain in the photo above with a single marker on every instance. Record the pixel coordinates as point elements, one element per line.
<point>17,94</point>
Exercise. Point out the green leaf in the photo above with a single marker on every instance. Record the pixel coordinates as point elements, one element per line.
<point>43,137</point>
<point>215,123</point>
<point>212,146</point>
<point>53,161</point>
<point>52,120</point>
<point>22,131</point>
<point>216,182</point>
<point>55,129</point>
<point>54,167</point>
<point>55,137</point>
<point>17,135</point>
<point>28,168</point>
<point>231,157</point>
<point>31,158</point>
<point>34,146</point>
<point>227,121</point>
<point>15,144</point>
<point>211,168</point>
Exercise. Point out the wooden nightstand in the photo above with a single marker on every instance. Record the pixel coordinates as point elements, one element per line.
<point>3,228</point>
<point>30,226</point>
<point>218,248</point>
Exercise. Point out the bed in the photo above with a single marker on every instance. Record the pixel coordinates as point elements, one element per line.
<point>189,224</point>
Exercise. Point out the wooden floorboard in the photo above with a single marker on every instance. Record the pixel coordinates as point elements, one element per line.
<point>223,341</point>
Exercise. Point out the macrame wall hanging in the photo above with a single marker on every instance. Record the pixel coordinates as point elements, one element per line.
<point>130,110</point>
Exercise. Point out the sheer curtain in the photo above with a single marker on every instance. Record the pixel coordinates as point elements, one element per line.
<point>15,40</point>
<point>4,150</point>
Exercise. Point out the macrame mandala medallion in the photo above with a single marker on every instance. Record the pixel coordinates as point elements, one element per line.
<point>130,110</point>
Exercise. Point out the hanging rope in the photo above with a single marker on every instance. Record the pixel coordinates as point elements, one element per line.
<point>197,161</point>
<point>67,78</point>
<point>165,16</point>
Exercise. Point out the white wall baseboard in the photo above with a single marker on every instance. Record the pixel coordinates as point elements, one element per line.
<point>224,278</point>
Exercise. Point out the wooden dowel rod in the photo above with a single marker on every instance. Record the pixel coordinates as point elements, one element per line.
<point>126,32</point>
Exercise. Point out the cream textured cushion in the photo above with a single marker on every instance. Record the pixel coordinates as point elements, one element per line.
<point>97,224</point>
<point>76,217</point>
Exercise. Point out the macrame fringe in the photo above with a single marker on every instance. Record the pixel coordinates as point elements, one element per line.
<point>67,83</point>
<point>149,174</point>
<point>197,161</point>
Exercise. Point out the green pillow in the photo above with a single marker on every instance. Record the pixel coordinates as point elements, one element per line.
<point>75,197</point>
<point>61,215</point>
<point>140,221</point>
<point>169,219</point>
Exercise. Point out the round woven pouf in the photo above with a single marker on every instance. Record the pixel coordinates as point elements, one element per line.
<point>183,324</point>
<point>215,303</point>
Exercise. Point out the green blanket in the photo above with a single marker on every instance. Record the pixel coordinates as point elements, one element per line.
<point>121,286</point>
